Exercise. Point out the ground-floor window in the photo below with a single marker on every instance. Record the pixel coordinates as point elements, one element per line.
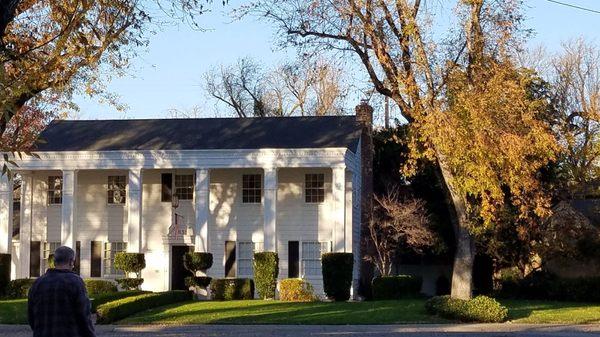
<point>48,250</point>
<point>246,256</point>
<point>311,257</point>
<point>110,250</point>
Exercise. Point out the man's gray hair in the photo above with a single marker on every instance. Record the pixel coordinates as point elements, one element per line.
<point>63,255</point>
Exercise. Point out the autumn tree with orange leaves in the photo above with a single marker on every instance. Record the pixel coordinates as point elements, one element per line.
<point>467,105</point>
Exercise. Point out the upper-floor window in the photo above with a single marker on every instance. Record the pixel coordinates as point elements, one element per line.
<point>55,184</point>
<point>251,189</point>
<point>184,186</point>
<point>117,190</point>
<point>314,188</point>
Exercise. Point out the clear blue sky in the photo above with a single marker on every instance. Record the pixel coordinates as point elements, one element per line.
<point>169,74</point>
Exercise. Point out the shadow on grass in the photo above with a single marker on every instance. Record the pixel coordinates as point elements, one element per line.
<point>522,309</point>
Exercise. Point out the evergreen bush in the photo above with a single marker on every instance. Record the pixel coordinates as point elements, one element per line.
<point>396,287</point>
<point>266,271</point>
<point>337,275</point>
<point>296,290</point>
<point>228,289</point>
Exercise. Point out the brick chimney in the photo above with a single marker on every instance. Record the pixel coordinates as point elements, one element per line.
<point>364,116</point>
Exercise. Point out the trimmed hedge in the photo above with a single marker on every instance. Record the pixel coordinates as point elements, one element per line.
<point>266,271</point>
<point>109,297</point>
<point>5,264</point>
<point>130,262</point>
<point>481,309</point>
<point>541,285</point>
<point>197,261</point>
<point>119,309</point>
<point>296,290</point>
<point>99,287</point>
<point>130,283</point>
<point>226,289</point>
<point>337,275</point>
<point>396,287</point>
<point>197,281</point>
<point>19,288</point>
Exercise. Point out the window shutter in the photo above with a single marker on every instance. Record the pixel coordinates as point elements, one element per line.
<point>77,257</point>
<point>167,187</point>
<point>34,258</point>
<point>230,264</point>
<point>294,259</point>
<point>96,264</point>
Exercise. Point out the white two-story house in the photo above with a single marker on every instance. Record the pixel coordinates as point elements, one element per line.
<point>163,187</point>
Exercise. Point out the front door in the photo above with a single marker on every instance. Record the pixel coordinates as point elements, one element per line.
<point>178,272</point>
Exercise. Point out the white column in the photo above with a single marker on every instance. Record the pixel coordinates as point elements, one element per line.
<point>134,211</point>
<point>202,209</point>
<point>270,209</point>
<point>25,232</point>
<point>338,189</point>
<point>67,228</point>
<point>6,192</point>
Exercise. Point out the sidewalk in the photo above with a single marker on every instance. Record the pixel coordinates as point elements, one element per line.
<point>412,330</point>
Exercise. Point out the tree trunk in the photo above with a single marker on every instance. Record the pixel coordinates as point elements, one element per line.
<point>462,271</point>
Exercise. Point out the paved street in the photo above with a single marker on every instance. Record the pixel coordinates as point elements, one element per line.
<point>454,330</point>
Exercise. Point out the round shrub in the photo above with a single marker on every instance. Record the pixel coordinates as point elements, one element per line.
<point>266,270</point>
<point>479,309</point>
<point>130,262</point>
<point>337,275</point>
<point>19,288</point>
<point>396,287</point>
<point>197,261</point>
<point>296,290</point>
<point>197,281</point>
<point>130,283</point>
<point>228,289</point>
<point>99,287</point>
<point>5,264</point>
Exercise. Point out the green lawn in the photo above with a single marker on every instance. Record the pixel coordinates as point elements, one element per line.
<point>275,312</point>
<point>543,312</point>
<point>13,312</point>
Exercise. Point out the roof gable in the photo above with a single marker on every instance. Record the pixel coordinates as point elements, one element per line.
<point>201,134</point>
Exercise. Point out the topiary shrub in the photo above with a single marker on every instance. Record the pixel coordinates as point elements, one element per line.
<point>109,297</point>
<point>232,289</point>
<point>197,261</point>
<point>396,287</point>
<point>479,309</point>
<point>337,275</point>
<point>197,281</point>
<point>130,283</point>
<point>119,309</point>
<point>266,271</point>
<point>99,287</point>
<point>130,263</point>
<point>296,290</point>
<point>19,288</point>
<point>5,263</point>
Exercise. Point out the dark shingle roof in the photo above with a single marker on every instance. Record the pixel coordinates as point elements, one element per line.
<point>201,134</point>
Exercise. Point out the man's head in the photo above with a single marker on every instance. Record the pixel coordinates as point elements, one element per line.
<point>64,258</point>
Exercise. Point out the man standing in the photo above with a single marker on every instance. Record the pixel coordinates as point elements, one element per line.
<point>58,304</point>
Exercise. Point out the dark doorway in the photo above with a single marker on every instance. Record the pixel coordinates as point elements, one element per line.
<point>178,272</point>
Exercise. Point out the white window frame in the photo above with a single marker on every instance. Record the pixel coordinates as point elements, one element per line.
<point>325,247</point>
<point>109,251</point>
<point>306,187</point>
<point>256,247</point>
<point>113,187</point>
<point>52,189</point>
<point>253,189</point>
<point>47,249</point>
<point>185,188</point>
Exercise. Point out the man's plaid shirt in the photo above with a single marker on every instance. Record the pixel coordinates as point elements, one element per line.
<point>59,306</point>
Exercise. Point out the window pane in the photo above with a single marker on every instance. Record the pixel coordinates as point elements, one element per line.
<point>117,188</point>
<point>251,188</point>
<point>54,195</point>
<point>184,186</point>
<point>314,188</point>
